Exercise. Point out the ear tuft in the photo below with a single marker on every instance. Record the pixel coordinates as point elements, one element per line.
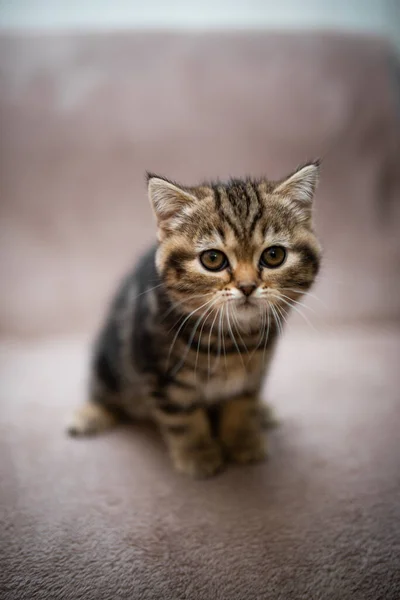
<point>168,199</point>
<point>301,185</point>
<point>150,175</point>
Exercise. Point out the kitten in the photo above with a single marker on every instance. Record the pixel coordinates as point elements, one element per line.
<point>193,329</point>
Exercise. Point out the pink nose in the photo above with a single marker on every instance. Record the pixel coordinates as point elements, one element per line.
<point>247,288</point>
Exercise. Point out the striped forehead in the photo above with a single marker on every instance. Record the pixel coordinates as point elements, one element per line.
<point>240,206</point>
<point>249,216</point>
<point>239,216</point>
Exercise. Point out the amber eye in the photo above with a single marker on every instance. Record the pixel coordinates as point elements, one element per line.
<point>273,257</point>
<point>213,260</point>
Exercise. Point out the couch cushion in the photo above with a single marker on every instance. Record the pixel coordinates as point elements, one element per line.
<point>83,116</point>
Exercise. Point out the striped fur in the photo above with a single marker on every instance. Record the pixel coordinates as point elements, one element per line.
<point>182,342</point>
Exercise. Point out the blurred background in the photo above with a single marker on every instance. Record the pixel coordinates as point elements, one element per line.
<point>379,17</point>
<point>93,94</point>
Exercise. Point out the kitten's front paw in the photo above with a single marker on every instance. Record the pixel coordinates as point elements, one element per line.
<point>249,448</point>
<point>90,419</point>
<point>200,461</point>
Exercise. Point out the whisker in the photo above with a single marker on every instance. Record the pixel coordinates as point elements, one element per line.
<point>182,316</point>
<point>220,342</point>
<point>277,320</point>
<point>182,324</point>
<point>235,323</point>
<point>301,314</point>
<point>177,303</point>
<point>267,334</point>
<point>231,334</point>
<point>280,295</point>
<point>223,336</point>
<point>209,311</point>
<point>302,292</point>
<point>216,363</point>
<point>209,343</point>
<point>280,311</point>
<point>263,326</point>
<point>146,291</point>
<point>191,338</point>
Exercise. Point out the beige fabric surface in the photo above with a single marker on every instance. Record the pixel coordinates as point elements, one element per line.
<point>107,518</point>
<point>81,118</point>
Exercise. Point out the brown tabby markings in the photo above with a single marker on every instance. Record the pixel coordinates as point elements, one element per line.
<point>181,341</point>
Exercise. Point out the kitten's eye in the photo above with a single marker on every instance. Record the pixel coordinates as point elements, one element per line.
<point>213,260</point>
<point>273,257</point>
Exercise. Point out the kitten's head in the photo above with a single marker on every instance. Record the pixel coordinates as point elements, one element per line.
<point>246,245</point>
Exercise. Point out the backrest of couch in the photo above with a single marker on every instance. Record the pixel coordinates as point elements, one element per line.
<point>83,116</point>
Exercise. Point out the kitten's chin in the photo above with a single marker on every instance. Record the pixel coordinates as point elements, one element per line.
<point>248,313</point>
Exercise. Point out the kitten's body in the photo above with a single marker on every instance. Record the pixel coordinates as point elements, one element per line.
<point>182,339</point>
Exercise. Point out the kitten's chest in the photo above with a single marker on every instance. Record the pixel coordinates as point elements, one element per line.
<point>232,381</point>
<point>219,388</point>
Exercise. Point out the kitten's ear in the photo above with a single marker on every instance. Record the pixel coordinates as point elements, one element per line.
<point>167,199</point>
<point>301,185</point>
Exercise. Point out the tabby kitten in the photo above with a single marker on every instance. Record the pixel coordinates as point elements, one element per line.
<point>193,328</point>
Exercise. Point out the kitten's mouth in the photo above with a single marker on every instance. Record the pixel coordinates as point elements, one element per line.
<point>247,303</point>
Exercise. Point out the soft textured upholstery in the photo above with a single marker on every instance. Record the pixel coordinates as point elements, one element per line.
<point>81,118</point>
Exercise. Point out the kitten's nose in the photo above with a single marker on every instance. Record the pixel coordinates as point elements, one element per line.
<point>247,288</point>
